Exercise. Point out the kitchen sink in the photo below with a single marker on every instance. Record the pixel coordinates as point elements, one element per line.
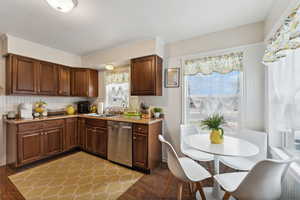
<point>100,115</point>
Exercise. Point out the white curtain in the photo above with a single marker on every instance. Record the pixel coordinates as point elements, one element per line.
<point>284,98</point>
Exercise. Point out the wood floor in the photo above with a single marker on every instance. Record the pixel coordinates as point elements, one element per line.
<point>147,188</point>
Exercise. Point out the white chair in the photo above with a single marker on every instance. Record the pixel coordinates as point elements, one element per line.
<point>184,169</point>
<point>263,182</point>
<point>247,163</point>
<point>185,131</point>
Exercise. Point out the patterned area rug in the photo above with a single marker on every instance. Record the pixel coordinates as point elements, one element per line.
<point>76,177</point>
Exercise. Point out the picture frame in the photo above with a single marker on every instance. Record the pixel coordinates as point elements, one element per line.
<point>172,78</point>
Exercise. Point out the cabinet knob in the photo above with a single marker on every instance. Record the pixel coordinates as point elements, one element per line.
<point>134,137</point>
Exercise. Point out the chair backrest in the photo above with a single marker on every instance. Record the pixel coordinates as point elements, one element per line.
<point>258,138</point>
<point>263,181</point>
<point>173,160</point>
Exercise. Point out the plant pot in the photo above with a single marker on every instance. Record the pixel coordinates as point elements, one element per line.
<point>157,115</point>
<point>216,136</point>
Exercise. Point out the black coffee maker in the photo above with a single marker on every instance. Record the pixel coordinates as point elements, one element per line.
<point>83,107</point>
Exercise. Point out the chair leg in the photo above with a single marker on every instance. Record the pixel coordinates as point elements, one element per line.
<point>200,188</point>
<point>226,196</point>
<point>168,183</point>
<point>179,191</point>
<point>191,187</point>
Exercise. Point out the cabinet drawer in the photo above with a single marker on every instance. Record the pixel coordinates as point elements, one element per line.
<point>54,123</point>
<point>34,126</point>
<point>140,128</point>
<point>96,122</point>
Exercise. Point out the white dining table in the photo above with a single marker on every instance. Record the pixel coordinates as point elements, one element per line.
<point>234,147</point>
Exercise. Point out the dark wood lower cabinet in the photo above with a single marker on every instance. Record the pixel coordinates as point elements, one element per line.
<point>52,141</point>
<point>71,136</point>
<point>29,142</point>
<point>90,131</point>
<point>29,147</point>
<point>140,149</point>
<point>100,142</point>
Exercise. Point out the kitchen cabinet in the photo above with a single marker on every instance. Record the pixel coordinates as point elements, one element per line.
<point>100,142</point>
<point>21,75</point>
<point>81,133</point>
<point>64,81</point>
<point>146,76</point>
<point>96,137</point>
<point>47,78</point>
<point>84,82</point>
<point>71,133</point>
<point>146,148</point>
<point>28,76</point>
<point>29,147</point>
<point>89,145</point>
<point>140,150</point>
<point>52,141</point>
<point>33,141</point>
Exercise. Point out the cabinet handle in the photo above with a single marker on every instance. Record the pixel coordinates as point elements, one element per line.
<point>134,137</point>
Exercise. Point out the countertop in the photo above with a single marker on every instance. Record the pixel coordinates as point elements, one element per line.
<point>114,118</point>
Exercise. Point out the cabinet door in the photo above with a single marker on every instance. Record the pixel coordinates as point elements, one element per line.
<point>71,137</point>
<point>79,83</point>
<point>52,141</point>
<point>81,132</point>
<point>93,83</point>
<point>64,81</point>
<point>48,79</point>
<point>140,150</point>
<point>24,75</point>
<point>29,147</point>
<point>89,145</point>
<point>100,142</point>
<point>143,76</point>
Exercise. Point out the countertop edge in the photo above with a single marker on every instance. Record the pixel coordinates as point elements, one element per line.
<point>120,119</point>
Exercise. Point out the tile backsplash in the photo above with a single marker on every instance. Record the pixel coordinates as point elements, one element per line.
<point>11,103</point>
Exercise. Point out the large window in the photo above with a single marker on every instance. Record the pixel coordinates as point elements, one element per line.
<point>212,86</point>
<point>213,93</point>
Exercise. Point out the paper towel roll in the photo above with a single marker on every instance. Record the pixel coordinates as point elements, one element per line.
<point>100,108</point>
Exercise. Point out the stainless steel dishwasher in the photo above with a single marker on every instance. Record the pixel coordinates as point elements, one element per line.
<point>120,142</point>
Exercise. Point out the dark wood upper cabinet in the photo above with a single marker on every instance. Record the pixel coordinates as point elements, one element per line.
<point>21,75</point>
<point>47,78</point>
<point>84,82</point>
<point>146,76</point>
<point>30,76</point>
<point>64,81</point>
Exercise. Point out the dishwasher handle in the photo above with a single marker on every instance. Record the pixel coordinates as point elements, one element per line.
<point>126,127</point>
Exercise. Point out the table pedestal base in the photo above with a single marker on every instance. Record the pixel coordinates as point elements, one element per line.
<point>209,194</point>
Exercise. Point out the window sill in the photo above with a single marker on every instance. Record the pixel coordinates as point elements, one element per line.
<point>279,153</point>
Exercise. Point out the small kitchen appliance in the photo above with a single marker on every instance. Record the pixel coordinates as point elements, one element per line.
<point>83,107</point>
<point>26,111</point>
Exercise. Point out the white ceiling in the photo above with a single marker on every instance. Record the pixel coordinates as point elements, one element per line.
<point>99,24</point>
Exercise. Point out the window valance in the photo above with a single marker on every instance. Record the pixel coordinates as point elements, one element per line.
<point>222,64</point>
<point>286,39</point>
<point>117,76</point>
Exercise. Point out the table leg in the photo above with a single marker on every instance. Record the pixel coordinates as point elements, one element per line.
<point>216,188</point>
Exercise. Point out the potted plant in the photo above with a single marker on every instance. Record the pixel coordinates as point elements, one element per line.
<point>214,124</point>
<point>157,112</point>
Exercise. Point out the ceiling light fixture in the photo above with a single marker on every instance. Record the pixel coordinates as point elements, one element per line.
<point>109,67</point>
<point>63,5</point>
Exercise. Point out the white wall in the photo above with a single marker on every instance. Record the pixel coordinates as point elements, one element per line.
<point>121,55</point>
<point>279,11</point>
<point>242,35</point>
<point>26,48</point>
